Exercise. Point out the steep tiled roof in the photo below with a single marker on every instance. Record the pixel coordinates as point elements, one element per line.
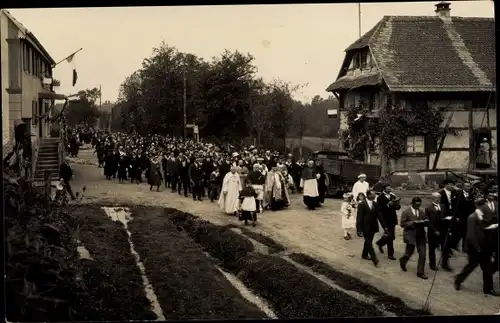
<point>433,54</point>
<point>351,82</point>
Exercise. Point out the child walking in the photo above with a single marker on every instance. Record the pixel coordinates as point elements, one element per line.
<point>248,204</point>
<point>348,215</point>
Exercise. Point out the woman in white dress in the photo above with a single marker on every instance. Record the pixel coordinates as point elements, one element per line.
<point>348,212</point>
<point>361,186</point>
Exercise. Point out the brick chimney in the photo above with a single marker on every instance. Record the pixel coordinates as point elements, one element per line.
<point>443,9</point>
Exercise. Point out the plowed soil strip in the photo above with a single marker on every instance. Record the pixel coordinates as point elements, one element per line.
<point>187,284</point>
<point>111,278</point>
<point>291,292</point>
<point>389,303</point>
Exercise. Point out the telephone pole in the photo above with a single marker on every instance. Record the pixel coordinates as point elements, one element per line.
<point>184,104</point>
<point>359,19</point>
<point>100,105</point>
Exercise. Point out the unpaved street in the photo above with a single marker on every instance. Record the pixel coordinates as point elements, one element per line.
<point>317,234</point>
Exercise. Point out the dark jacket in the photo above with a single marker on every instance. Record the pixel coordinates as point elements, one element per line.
<point>435,221</point>
<point>413,233</point>
<point>195,173</point>
<point>475,236</point>
<point>256,178</point>
<point>367,220</point>
<point>65,172</point>
<point>388,213</point>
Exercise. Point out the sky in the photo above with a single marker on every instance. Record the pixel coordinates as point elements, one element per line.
<point>301,43</point>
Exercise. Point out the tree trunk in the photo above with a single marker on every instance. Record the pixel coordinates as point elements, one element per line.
<point>392,165</point>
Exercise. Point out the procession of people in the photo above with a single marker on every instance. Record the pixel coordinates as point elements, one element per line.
<point>246,182</point>
<point>204,170</point>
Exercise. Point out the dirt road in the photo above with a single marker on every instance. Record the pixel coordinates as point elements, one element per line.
<point>318,234</point>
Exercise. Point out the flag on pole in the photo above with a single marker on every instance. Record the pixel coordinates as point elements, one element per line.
<point>71,60</point>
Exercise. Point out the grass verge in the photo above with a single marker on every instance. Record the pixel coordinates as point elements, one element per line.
<point>220,242</point>
<point>296,294</point>
<point>112,280</point>
<point>185,280</point>
<point>291,292</point>
<point>390,303</point>
<point>274,247</point>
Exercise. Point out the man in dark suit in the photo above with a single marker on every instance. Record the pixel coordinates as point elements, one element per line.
<point>388,209</point>
<point>448,201</point>
<point>477,250</point>
<point>183,166</point>
<point>464,207</point>
<point>66,174</point>
<point>196,178</point>
<point>414,221</point>
<point>434,212</point>
<point>172,172</point>
<point>367,222</point>
<point>491,217</point>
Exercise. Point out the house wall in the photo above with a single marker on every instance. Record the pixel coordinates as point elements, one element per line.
<point>20,85</point>
<point>5,78</point>
<point>456,151</point>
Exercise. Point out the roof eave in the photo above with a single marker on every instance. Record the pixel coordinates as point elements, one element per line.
<point>419,88</point>
<point>30,36</point>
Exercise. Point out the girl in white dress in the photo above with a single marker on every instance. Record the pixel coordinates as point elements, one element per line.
<point>348,215</point>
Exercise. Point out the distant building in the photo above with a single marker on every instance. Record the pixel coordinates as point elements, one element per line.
<point>448,62</point>
<point>25,64</point>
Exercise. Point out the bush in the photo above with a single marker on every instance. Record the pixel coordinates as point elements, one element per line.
<point>41,258</point>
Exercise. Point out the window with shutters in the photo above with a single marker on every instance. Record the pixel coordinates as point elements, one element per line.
<point>415,144</point>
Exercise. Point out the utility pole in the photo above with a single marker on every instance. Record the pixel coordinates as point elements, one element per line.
<point>359,19</point>
<point>100,105</point>
<point>184,103</point>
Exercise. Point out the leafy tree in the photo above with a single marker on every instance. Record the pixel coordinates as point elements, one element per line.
<point>84,110</point>
<point>223,96</point>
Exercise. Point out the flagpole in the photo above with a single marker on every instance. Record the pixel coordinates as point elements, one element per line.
<point>62,60</point>
<point>359,19</point>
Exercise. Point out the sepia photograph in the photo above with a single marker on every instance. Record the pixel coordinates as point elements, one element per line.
<point>250,161</point>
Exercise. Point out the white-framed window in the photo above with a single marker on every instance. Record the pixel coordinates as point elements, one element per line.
<point>415,144</point>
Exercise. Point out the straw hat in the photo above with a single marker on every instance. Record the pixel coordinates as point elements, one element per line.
<point>361,175</point>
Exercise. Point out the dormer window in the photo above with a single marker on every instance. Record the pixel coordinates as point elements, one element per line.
<point>361,59</point>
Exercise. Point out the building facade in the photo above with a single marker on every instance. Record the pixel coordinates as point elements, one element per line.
<point>25,65</point>
<point>442,61</point>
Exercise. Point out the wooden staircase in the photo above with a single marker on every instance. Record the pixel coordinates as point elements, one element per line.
<point>48,159</point>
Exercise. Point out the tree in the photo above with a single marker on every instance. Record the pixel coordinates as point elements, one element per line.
<point>223,97</point>
<point>84,110</point>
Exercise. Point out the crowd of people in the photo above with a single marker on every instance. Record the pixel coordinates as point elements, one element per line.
<point>247,181</point>
<point>205,170</point>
